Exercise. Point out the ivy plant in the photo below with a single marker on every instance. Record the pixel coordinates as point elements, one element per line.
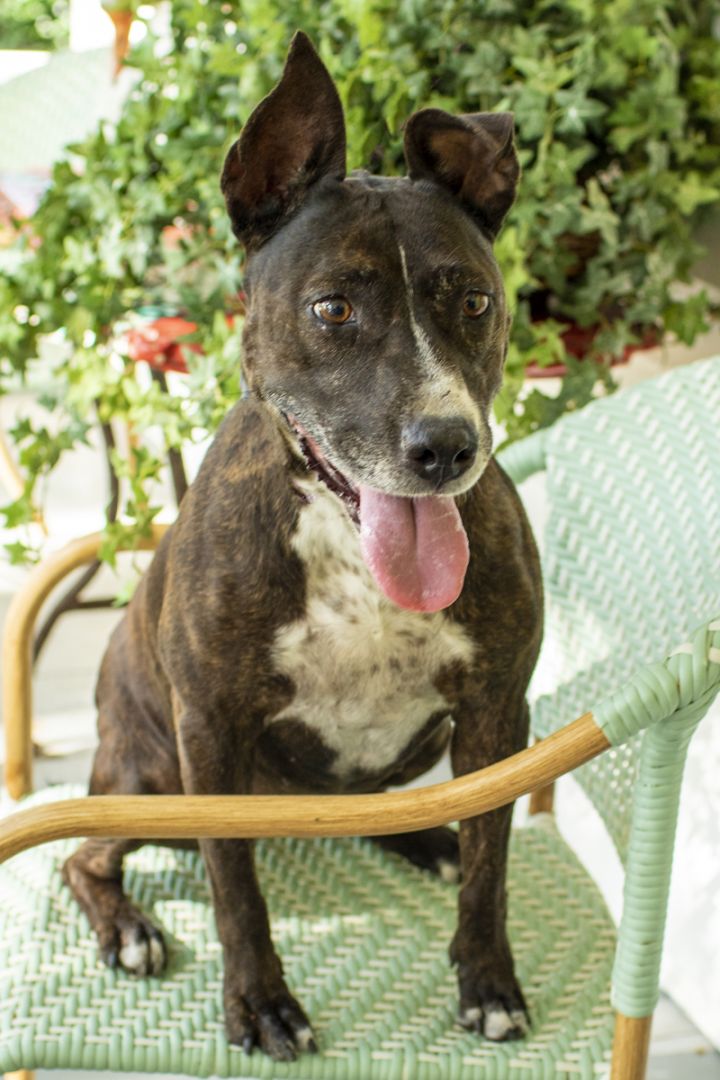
<point>34,24</point>
<point>617,107</point>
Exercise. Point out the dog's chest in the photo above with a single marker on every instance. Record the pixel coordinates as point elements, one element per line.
<point>363,669</point>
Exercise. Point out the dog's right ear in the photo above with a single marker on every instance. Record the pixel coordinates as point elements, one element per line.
<point>295,137</point>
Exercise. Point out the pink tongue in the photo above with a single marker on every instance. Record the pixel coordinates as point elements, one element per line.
<point>416,549</point>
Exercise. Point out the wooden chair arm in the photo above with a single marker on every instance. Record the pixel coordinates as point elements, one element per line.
<point>166,817</point>
<point>16,650</point>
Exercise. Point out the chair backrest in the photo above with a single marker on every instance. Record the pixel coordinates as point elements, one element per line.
<point>631,552</point>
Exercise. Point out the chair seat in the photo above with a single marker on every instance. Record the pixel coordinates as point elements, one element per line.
<point>363,937</point>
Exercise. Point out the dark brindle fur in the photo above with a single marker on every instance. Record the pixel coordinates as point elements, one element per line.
<point>210,683</point>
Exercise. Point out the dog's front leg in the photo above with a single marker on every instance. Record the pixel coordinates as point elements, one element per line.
<point>259,1008</point>
<point>491,1001</point>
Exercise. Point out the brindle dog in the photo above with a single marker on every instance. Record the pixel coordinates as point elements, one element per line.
<point>351,585</point>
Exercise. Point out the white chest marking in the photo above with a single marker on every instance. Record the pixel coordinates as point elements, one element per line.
<point>363,668</point>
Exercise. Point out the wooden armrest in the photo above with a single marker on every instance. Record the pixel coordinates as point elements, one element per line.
<point>167,817</point>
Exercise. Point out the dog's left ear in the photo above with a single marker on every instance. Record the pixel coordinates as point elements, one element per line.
<point>293,138</point>
<point>473,156</point>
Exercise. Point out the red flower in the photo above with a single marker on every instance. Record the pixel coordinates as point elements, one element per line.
<point>157,343</point>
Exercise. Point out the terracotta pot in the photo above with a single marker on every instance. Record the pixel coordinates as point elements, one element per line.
<point>122,21</point>
<point>578,342</point>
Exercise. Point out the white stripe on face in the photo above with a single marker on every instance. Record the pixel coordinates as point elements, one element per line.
<point>443,394</point>
<point>425,350</point>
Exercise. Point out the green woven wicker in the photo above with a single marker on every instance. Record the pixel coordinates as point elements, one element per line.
<point>363,937</point>
<point>631,551</point>
<point>632,564</point>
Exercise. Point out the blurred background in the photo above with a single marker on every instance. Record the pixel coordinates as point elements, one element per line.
<point>121,301</point>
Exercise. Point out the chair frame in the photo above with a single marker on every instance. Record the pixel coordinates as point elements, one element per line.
<point>532,771</point>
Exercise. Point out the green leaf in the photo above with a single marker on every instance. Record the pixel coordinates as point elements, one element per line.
<point>21,554</point>
<point>687,318</point>
<point>19,512</point>
<point>692,191</point>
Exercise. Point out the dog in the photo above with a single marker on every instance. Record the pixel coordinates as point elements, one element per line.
<point>351,585</point>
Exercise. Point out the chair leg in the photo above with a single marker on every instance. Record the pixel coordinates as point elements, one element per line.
<point>542,800</point>
<point>630,1048</point>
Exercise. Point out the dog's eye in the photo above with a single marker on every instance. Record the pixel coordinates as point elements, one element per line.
<point>475,303</point>
<point>333,309</point>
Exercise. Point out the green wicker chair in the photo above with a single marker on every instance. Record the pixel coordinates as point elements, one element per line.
<point>632,566</point>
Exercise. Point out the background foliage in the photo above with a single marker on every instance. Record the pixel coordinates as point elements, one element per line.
<point>34,24</point>
<point>617,106</point>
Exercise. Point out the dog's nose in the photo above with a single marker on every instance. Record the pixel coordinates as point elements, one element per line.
<point>439,449</point>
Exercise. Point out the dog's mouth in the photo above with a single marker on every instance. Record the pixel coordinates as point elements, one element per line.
<point>325,471</point>
<point>416,548</point>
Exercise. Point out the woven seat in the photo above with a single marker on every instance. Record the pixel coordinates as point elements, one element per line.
<point>631,563</point>
<point>363,937</point>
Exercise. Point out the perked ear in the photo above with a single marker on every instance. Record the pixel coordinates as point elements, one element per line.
<point>472,156</point>
<point>295,137</point>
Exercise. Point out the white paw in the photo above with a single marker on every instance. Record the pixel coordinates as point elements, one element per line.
<point>495,1023</point>
<point>304,1037</point>
<point>470,1018</point>
<point>141,955</point>
<point>499,1025</point>
<point>448,871</point>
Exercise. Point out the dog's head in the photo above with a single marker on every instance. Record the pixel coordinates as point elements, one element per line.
<point>376,313</point>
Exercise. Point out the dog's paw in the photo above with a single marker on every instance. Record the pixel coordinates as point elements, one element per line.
<point>134,944</point>
<point>278,1026</point>
<point>491,1001</point>
<point>442,849</point>
<point>448,870</point>
<point>495,1021</point>
<point>436,850</point>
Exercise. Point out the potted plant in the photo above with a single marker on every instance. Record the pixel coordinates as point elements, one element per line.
<point>34,24</point>
<point>617,108</point>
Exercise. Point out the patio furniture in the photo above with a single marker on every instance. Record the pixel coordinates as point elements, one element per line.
<point>632,571</point>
